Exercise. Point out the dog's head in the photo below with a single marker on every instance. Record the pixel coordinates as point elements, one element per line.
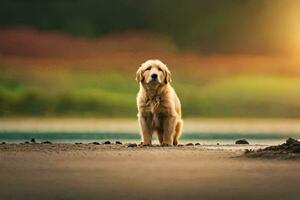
<point>153,73</point>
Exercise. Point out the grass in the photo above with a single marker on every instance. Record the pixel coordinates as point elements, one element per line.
<point>112,94</point>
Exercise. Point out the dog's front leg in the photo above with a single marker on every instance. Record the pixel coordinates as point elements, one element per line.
<point>168,130</point>
<point>146,129</point>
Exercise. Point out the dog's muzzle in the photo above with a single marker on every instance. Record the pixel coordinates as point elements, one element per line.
<point>154,77</point>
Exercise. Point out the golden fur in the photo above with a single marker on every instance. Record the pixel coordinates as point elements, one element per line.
<point>159,109</point>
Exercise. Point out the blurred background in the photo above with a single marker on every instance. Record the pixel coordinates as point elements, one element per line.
<point>71,58</point>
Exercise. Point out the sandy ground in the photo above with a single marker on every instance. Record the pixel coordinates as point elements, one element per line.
<point>66,171</point>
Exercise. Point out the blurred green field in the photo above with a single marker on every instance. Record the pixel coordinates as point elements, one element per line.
<point>228,58</point>
<point>112,94</point>
<point>58,75</point>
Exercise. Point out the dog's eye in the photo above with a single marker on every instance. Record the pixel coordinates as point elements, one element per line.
<point>160,69</point>
<point>148,68</point>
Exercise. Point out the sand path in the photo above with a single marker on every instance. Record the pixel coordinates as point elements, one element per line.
<point>110,172</point>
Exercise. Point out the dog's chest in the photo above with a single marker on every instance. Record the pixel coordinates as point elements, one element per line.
<point>154,111</point>
<point>153,105</point>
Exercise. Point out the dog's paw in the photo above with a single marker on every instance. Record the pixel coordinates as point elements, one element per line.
<point>144,145</point>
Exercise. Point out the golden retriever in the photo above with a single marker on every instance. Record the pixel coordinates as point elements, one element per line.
<point>159,109</point>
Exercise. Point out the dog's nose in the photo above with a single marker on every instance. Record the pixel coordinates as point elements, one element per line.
<point>154,76</point>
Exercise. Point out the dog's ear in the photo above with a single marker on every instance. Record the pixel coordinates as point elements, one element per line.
<point>139,75</point>
<point>168,76</point>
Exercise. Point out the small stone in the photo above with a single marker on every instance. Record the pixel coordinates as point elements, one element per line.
<point>197,144</point>
<point>242,141</point>
<point>218,143</point>
<point>32,140</point>
<point>107,142</point>
<point>189,144</point>
<point>96,143</point>
<point>118,142</point>
<point>78,143</point>
<point>26,142</point>
<point>3,143</point>
<point>180,145</point>
<point>132,145</point>
<point>47,142</point>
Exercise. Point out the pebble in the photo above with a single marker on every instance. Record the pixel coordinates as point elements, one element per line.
<point>32,140</point>
<point>96,143</point>
<point>242,141</point>
<point>197,144</point>
<point>3,143</point>
<point>26,142</point>
<point>132,145</point>
<point>107,142</point>
<point>189,144</point>
<point>118,142</point>
<point>46,142</point>
<point>78,142</point>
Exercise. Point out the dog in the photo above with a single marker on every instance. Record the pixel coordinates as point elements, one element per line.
<point>159,108</point>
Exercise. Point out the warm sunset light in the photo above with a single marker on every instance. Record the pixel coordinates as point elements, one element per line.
<point>294,26</point>
<point>284,26</point>
<point>151,100</point>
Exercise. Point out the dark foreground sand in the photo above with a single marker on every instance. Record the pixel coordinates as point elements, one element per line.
<point>65,171</point>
